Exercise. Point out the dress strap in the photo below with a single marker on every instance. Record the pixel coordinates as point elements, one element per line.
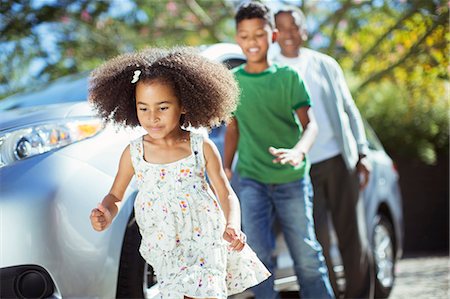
<point>136,151</point>
<point>197,147</point>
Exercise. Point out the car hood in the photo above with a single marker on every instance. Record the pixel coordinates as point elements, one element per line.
<point>21,117</point>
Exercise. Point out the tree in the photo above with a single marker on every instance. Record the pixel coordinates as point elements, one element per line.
<point>394,53</point>
<point>41,42</point>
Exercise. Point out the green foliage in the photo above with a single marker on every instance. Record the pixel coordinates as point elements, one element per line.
<point>394,52</point>
<point>397,53</point>
<point>43,40</point>
<point>406,126</point>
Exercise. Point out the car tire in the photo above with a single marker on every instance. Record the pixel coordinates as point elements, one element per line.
<point>130,282</point>
<point>384,256</point>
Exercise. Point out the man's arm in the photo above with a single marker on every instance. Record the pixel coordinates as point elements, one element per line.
<point>354,116</point>
<point>363,166</point>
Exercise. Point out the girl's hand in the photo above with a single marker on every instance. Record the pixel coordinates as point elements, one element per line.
<point>101,218</point>
<point>284,155</point>
<point>235,237</point>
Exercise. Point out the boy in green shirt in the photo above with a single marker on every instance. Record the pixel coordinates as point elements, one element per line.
<point>272,130</point>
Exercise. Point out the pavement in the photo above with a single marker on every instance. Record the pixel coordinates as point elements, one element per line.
<point>417,277</point>
<point>420,277</point>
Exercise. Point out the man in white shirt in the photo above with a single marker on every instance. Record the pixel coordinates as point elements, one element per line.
<point>338,156</point>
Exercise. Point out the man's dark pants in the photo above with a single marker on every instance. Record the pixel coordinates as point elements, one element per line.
<point>336,191</point>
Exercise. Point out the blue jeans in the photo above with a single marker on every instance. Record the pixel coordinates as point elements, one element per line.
<point>291,203</point>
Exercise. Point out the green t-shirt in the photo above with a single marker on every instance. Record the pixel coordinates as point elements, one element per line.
<point>266,117</point>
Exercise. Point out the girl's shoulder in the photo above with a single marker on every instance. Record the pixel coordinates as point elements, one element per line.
<point>136,141</point>
<point>199,134</point>
<point>200,141</point>
<point>136,146</point>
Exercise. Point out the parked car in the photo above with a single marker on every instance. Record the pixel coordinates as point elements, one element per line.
<point>57,161</point>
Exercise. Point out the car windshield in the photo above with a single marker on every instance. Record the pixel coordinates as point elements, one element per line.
<point>72,88</point>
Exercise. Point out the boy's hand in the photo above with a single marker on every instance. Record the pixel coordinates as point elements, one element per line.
<point>100,217</point>
<point>284,155</point>
<point>235,237</point>
<point>228,173</point>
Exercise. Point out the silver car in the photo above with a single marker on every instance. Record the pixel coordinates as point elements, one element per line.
<point>57,161</point>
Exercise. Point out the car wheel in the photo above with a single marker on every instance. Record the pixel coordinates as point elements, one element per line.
<point>384,256</point>
<point>136,278</point>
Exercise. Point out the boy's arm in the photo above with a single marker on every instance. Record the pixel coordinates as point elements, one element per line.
<point>310,129</point>
<point>101,217</point>
<point>295,155</point>
<point>231,142</point>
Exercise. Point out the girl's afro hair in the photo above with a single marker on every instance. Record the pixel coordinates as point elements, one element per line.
<point>206,89</point>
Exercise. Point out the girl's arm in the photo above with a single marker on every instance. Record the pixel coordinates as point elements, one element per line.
<point>231,141</point>
<point>102,216</point>
<point>295,155</point>
<point>227,198</point>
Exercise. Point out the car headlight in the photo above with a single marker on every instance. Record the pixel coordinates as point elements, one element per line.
<point>26,142</point>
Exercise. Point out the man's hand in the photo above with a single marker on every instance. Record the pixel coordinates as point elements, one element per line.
<point>101,218</point>
<point>363,167</point>
<point>284,155</point>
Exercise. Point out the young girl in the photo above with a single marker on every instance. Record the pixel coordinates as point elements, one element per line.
<point>194,244</point>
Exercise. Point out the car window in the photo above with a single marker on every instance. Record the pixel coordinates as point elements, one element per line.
<point>72,88</point>
<point>233,62</point>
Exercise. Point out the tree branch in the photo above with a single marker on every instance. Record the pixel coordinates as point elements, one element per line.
<point>335,16</point>
<point>358,63</point>
<point>338,15</point>
<point>203,17</point>
<point>198,11</point>
<point>413,50</point>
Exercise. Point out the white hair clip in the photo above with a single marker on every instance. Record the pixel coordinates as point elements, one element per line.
<point>136,76</point>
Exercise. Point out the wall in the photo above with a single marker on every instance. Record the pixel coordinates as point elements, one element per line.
<point>425,191</point>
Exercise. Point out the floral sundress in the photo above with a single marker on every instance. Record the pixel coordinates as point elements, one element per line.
<point>182,228</point>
